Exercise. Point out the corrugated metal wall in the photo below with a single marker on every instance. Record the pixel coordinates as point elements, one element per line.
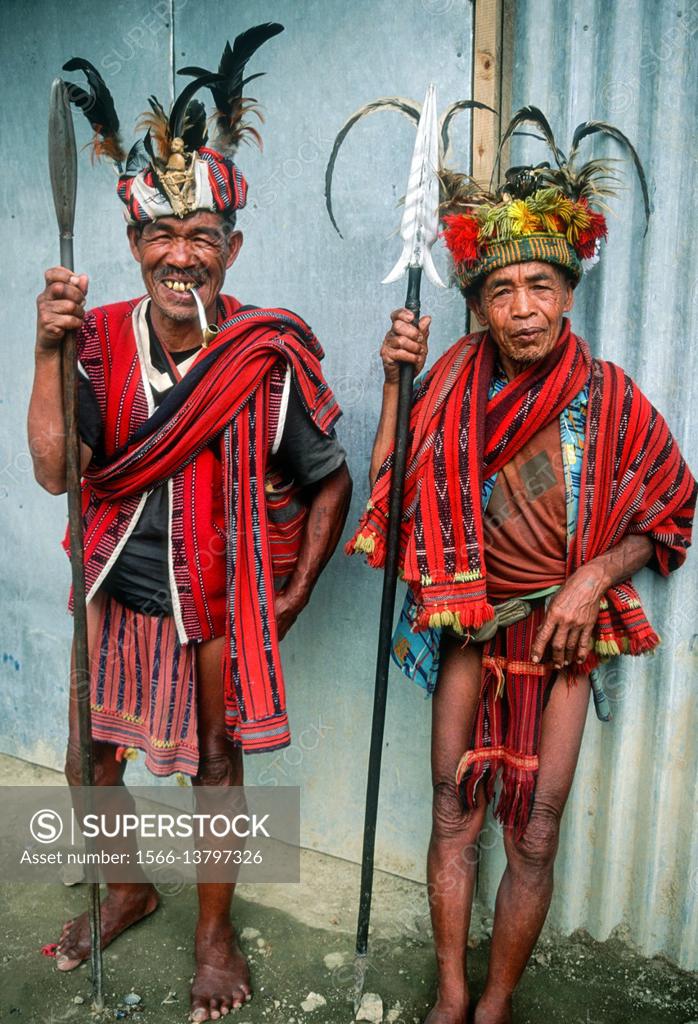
<point>629,854</point>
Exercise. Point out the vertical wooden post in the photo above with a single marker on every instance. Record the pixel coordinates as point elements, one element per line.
<point>492,73</point>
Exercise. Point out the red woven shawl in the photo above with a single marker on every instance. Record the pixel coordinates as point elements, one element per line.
<point>634,480</point>
<point>225,394</point>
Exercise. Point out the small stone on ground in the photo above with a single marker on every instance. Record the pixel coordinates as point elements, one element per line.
<point>313,1001</point>
<point>371,1008</point>
<point>334,960</point>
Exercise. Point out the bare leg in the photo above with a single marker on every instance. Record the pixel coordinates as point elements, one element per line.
<point>524,894</point>
<point>222,979</point>
<point>126,903</point>
<point>452,859</point>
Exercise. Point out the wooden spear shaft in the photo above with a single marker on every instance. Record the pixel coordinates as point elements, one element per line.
<point>385,632</point>
<point>63,173</point>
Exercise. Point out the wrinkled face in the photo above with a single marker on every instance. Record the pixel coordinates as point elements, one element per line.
<point>176,255</point>
<point>522,306</point>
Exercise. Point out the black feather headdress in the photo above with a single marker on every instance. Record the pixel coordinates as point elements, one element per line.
<point>186,121</point>
<point>227,88</point>
<point>172,158</point>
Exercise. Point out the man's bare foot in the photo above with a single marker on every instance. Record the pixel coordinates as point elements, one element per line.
<point>494,1011</point>
<point>124,905</point>
<point>222,979</point>
<point>445,1011</point>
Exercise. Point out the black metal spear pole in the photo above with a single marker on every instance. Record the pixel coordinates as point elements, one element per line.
<point>63,172</point>
<point>385,632</point>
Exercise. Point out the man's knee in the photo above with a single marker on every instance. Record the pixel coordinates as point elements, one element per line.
<point>450,818</point>
<point>107,770</point>
<point>537,847</point>
<point>219,766</point>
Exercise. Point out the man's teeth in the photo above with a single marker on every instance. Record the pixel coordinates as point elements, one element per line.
<point>179,286</point>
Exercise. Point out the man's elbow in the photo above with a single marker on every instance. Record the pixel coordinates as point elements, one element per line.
<point>373,471</point>
<point>346,484</point>
<point>336,488</point>
<point>50,482</point>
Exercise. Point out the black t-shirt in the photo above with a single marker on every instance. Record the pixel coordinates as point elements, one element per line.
<point>139,578</point>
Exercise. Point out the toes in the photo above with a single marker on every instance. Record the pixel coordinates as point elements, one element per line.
<point>65,963</point>
<point>199,1014</point>
<point>240,997</point>
<point>67,951</point>
<point>214,1012</point>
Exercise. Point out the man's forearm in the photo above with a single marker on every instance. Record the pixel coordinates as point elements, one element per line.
<point>405,342</point>
<point>46,424</point>
<point>622,561</point>
<point>326,517</point>
<point>60,308</point>
<point>573,611</point>
<point>385,434</point>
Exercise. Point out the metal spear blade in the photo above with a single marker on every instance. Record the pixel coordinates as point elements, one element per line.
<point>420,220</point>
<point>62,158</point>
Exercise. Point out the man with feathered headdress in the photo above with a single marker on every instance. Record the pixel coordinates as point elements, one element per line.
<point>539,480</point>
<point>215,489</point>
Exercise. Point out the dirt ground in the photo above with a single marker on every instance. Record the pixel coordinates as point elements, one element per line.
<point>299,939</point>
<point>575,981</point>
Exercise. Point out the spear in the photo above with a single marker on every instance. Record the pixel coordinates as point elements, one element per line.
<point>63,170</point>
<point>418,230</point>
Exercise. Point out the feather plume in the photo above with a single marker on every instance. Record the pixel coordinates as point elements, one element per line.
<point>593,181</point>
<point>154,163</point>
<point>179,107</point>
<point>409,108</point>
<point>148,147</point>
<point>231,107</point>
<point>554,199</point>
<point>587,128</point>
<point>158,137</point>
<point>447,117</point>
<point>187,121</point>
<point>98,107</point>
<point>460,193</point>
<point>194,132</point>
<point>529,115</point>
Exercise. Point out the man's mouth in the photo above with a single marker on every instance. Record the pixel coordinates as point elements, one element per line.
<point>529,332</point>
<point>176,285</point>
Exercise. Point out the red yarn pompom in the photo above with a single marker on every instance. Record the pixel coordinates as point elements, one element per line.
<point>461,237</point>
<point>586,243</point>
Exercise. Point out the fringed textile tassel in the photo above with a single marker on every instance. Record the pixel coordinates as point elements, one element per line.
<point>126,754</point>
<point>516,799</point>
<point>506,734</point>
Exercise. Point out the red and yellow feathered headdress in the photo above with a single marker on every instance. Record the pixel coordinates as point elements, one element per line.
<point>552,214</point>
